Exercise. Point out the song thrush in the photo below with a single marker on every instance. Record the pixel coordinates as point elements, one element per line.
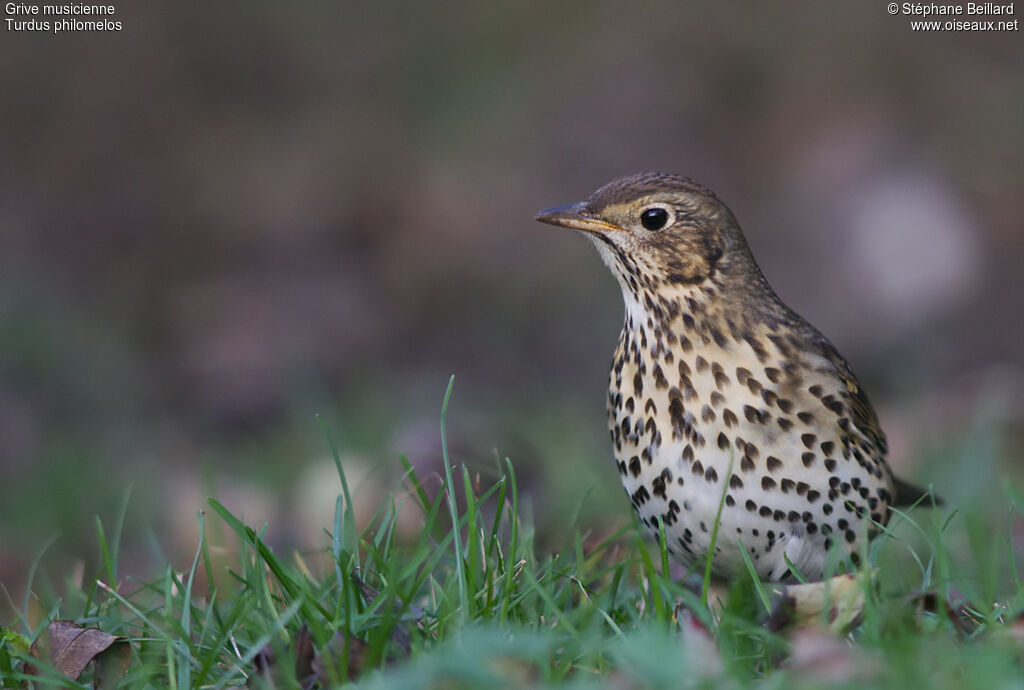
<point>720,394</point>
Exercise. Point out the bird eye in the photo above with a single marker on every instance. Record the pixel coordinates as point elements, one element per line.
<point>654,218</point>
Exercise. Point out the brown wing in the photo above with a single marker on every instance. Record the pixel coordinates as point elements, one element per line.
<point>864,418</point>
<point>861,412</point>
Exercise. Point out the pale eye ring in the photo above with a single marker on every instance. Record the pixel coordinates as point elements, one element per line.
<point>654,218</point>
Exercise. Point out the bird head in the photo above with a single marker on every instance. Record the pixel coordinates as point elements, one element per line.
<point>657,230</point>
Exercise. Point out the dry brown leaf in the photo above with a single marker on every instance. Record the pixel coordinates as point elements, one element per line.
<point>70,648</point>
<point>111,665</point>
<point>958,609</point>
<point>838,600</point>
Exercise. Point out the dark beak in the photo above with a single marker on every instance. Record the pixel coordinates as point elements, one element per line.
<point>575,216</point>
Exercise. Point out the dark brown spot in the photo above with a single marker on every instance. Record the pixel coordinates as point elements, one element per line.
<point>640,496</point>
<point>787,485</point>
<point>774,375</point>
<point>742,374</point>
<point>701,364</point>
<point>801,488</point>
<point>658,487</point>
<point>827,447</point>
<point>698,468</point>
<point>767,483</point>
<point>830,465</point>
<point>785,405</point>
<point>807,458</point>
<point>730,418</point>
<point>813,496</point>
<point>717,398</point>
<point>735,482</point>
<point>660,382</point>
<point>688,453</point>
<point>816,390</point>
<point>746,464</point>
<point>808,440</point>
<point>675,411</point>
<point>805,417</point>
<point>773,463</point>
<point>710,474</point>
<point>785,423</point>
<point>750,505</point>
<point>716,334</point>
<point>723,441</point>
<point>757,347</point>
<point>634,466</point>
<point>707,414</point>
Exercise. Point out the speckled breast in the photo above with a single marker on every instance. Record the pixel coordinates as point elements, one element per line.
<point>701,420</point>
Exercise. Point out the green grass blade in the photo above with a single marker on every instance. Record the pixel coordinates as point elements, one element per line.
<point>453,506</point>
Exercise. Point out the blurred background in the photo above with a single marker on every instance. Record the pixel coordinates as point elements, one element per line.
<point>228,218</point>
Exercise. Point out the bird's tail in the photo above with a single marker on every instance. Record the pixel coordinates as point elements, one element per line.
<point>907,495</point>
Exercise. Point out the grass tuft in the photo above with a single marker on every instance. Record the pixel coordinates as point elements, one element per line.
<point>469,601</point>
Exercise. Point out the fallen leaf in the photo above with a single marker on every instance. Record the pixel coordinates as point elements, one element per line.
<point>70,648</point>
<point>839,601</point>
<point>958,609</point>
<point>111,665</point>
